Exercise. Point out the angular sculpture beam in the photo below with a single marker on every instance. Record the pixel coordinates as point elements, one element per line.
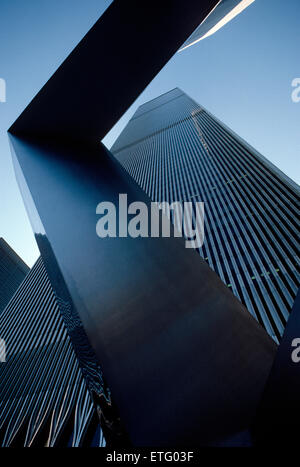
<point>277,420</point>
<point>109,68</point>
<point>184,362</point>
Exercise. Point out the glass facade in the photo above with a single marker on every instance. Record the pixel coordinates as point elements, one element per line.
<point>177,151</point>
<point>44,400</point>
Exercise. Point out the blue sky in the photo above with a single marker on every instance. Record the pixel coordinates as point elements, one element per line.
<point>242,74</point>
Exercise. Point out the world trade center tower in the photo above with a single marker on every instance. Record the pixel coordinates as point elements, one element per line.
<point>177,151</point>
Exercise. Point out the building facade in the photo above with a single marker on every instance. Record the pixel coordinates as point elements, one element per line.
<point>177,151</point>
<point>44,400</point>
<point>12,272</point>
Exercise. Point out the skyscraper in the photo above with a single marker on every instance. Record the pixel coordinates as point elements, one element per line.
<point>44,400</point>
<point>177,151</point>
<point>12,272</point>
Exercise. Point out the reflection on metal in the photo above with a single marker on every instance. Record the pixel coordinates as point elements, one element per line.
<point>100,394</point>
<point>12,272</point>
<point>43,397</point>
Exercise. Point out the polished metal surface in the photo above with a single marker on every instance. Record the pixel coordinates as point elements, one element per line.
<point>44,399</point>
<point>181,360</point>
<point>12,272</point>
<point>184,360</point>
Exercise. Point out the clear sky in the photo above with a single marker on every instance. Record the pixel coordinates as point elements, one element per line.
<point>242,74</point>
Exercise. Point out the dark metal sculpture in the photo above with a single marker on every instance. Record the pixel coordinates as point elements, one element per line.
<point>184,361</point>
